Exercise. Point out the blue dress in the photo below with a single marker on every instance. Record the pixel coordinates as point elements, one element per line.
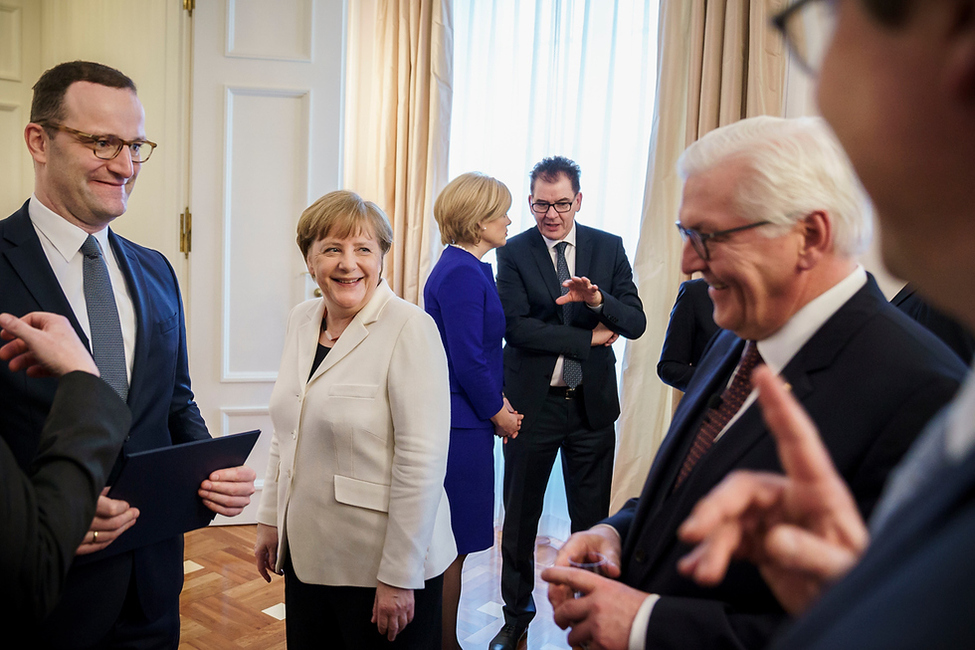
<point>462,298</point>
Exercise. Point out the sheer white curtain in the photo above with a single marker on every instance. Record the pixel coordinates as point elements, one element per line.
<point>535,78</point>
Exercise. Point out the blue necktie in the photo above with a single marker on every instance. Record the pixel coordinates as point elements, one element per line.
<point>107,346</point>
<point>571,368</point>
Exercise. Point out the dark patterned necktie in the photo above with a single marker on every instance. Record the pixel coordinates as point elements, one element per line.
<point>107,346</point>
<point>728,404</point>
<point>571,368</point>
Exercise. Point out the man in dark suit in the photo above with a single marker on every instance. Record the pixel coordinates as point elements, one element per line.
<point>57,254</point>
<point>785,283</point>
<point>955,335</point>
<point>690,329</point>
<point>568,293</point>
<point>46,511</point>
<point>896,83</point>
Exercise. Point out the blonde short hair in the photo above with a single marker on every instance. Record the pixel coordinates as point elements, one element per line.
<point>342,214</point>
<point>468,200</point>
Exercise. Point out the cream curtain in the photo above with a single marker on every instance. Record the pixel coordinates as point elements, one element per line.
<point>718,62</point>
<point>398,96</point>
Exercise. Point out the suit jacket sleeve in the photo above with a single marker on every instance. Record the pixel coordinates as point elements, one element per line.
<point>674,367</point>
<point>419,402</point>
<point>45,513</point>
<point>462,312</point>
<point>622,309</point>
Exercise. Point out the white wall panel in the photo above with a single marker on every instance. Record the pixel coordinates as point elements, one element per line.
<point>251,35</point>
<point>266,183</point>
<point>11,33</point>
<point>237,420</point>
<point>12,158</point>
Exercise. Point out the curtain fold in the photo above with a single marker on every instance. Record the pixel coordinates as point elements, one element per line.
<point>398,98</point>
<point>718,62</point>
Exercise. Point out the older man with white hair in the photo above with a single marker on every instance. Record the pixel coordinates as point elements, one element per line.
<point>772,218</point>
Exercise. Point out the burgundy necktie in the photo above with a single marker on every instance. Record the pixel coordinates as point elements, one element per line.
<point>719,415</point>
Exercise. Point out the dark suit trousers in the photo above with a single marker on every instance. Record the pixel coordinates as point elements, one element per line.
<point>587,466</point>
<point>338,618</point>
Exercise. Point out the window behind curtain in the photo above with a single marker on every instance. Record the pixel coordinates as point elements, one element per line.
<point>536,78</point>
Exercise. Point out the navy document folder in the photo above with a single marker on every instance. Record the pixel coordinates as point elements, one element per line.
<point>163,483</point>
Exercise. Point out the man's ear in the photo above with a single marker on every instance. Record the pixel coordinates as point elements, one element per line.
<point>37,142</point>
<point>816,230</point>
<point>960,59</point>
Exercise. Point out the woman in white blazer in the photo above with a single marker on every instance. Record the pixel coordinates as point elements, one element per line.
<point>353,511</point>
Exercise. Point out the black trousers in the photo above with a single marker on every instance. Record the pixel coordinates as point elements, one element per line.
<point>323,616</point>
<point>587,466</point>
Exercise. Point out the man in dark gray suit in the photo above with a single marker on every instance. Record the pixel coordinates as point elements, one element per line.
<point>568,293</point>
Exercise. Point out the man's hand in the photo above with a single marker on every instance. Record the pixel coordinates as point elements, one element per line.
<point>602,615</point>
<point>598,540</point>
<point>581,290</point>
<point>228,491</point>
<point>266,550</point>
<point>44,344</point>
<point>802,530</point>
<point>392,610</point>
<point>112,518</point>
<point>602,335</point>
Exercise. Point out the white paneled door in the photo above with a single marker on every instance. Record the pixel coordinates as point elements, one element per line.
<point>265,141</point>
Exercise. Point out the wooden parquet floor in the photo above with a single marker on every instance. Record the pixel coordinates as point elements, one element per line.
<point>225,604</point>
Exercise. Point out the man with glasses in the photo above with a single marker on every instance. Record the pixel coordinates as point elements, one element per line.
<point>896,82</point>
<point>772,218</point>
<point>568,293</point>
<point>57,254</point>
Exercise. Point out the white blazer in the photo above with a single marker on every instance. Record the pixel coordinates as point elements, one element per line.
<point>355,476</point>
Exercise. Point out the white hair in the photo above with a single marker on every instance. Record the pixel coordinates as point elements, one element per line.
<point>797,167</point>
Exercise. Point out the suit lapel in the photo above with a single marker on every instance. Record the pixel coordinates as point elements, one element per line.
<point>543,259</point>
<point>136,283</point>
<point>29,262</point>
<point>583,252</point>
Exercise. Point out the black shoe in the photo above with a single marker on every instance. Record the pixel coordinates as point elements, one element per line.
<point>509,638</point>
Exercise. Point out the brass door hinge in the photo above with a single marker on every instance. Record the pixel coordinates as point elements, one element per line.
<point>189,5</point>
<point>186,232</point>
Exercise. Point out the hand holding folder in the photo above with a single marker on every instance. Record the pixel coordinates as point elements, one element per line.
<point>164,485</point>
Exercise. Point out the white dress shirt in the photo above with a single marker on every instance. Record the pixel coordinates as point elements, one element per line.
<point>62,241</point>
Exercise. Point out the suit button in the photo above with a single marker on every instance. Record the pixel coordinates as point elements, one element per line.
<point>640,556</point>
<point>294,436</point>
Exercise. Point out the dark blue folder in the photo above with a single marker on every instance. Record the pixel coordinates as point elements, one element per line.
<point>163,483</point>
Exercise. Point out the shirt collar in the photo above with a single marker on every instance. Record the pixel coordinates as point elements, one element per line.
<point>66,237</point>
<point>779,348</point>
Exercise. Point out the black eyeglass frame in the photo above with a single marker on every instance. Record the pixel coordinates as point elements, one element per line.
<point>699,240</point>
<point>567,204</point>
<point>92,139</point>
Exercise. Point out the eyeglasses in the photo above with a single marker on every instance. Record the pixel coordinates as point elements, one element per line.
<point>541,207</point>
<point>808,27</point>
<point>107,147</point>
<point>699,240</point>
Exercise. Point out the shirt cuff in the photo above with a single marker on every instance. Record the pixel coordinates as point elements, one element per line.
<point>638,629</point>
